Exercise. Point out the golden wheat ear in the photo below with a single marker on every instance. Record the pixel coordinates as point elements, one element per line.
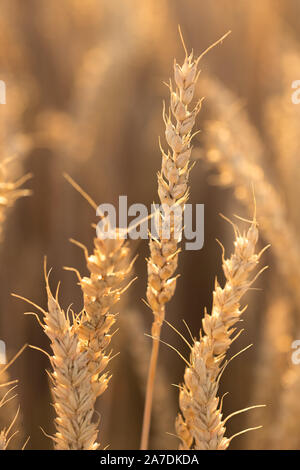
<point>200,425</point>
<point>70,378</point>
<point>109,267</point>
<point>173,191</point>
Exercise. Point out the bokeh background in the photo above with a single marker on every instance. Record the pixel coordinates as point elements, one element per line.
<point>84,96</point>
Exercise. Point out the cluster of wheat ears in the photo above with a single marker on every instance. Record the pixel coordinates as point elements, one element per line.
<point>80,341</point>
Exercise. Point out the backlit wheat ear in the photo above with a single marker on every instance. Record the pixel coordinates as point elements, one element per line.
<point>71,386</point>
<point>173,194</point>
<point>200,425</point>
<point>109,267</point>
<point>74,400</point>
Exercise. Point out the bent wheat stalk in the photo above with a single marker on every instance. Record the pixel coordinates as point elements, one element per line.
<point>173,194</point>
<point>200,425</point>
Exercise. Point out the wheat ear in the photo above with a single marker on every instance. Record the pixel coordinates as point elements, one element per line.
<point>200,424</point>
<point>109,266</point>
<point>74,400</point>
<point>173,194</point>
<point>71,386</point>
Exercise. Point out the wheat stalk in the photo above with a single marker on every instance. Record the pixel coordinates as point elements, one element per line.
<point>173,194</point>
<point>139,351</point>
<point>200,424</point>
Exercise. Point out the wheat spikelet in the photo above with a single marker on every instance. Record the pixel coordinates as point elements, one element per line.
<point>173,194</point>
<point>200,424</point>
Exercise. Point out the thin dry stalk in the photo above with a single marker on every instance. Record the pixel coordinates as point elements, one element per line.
<point>164,404</point>
<point>200,425</point>
<point>173,194</point>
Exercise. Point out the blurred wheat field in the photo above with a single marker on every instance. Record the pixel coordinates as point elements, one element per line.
<point>84,93</point>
